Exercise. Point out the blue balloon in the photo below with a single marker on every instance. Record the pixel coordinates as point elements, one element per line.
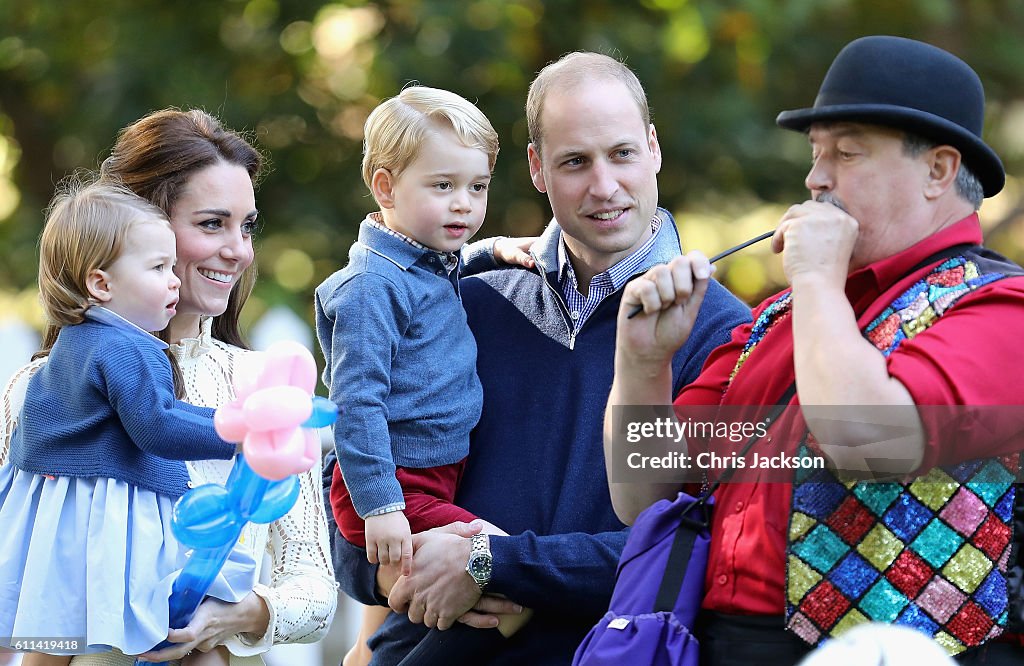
<point>209,519</point>
<point>277,501</point>
<point>204,518</point>
<point>324,413</point>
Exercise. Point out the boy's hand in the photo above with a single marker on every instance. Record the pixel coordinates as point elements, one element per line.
<point>389,540</point>
<point>514,251</point>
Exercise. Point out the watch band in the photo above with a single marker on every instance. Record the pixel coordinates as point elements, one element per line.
<point>480,543</point>
<point>480,561</point>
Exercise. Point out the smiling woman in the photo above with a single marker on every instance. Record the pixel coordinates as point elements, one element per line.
<point>214,243</point>
<point>203,176</point>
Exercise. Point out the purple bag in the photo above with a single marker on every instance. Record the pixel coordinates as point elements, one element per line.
<point>659,586</point>
<point>659,583</point>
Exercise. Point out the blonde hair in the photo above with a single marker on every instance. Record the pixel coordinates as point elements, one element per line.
<point>568,72</point>
<point>86,226</point>
<point>396,129</point>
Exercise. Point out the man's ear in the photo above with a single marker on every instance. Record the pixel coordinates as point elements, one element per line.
<point>536,172</point>
<point>652,143</point>
<point>382,184</point>
<point>943,165</point>
<point>98,284</point>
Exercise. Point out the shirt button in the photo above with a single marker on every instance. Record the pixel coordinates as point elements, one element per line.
<point>723,579</point>
<point>575,314</point>
<point>739,507</point>
<point>440,272</point>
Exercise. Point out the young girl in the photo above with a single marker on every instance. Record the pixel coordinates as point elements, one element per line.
<point>95,465</point>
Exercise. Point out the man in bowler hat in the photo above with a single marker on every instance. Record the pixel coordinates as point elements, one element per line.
<point>892,301</point>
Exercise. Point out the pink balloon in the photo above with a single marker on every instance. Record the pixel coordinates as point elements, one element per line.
<point>248,375</point>
<point>273,454</point>
<point>229,422</point>
<point>273,398</point>
<point>290,363</point>
<point>311,452</point>
<point>277,407</point>
<point>262,457</point>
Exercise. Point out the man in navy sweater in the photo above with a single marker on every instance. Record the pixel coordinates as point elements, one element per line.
<point>546,341</point>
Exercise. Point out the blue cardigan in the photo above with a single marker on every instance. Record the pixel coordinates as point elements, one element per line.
<point>401,365</point>
<point>536,465</point>
<point>103,405</point>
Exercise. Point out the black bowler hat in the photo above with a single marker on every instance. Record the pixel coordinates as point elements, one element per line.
<point>907,85</point>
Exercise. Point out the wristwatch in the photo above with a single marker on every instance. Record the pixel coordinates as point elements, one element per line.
<point>479,564</point>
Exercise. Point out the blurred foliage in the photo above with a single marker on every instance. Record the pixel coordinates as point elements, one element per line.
<point>300,77</point>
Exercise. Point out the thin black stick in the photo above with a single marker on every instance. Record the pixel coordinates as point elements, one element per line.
<point>721,255</point>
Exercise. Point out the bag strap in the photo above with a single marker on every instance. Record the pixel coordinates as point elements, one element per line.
<point>941,255</point>
<point>776,410</point>
<point>690,526</point>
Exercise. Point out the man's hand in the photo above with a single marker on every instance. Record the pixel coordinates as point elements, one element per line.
<point>671,295</point>
<point>389,541</point>
<point>484,615</point>
<point>817,240</point>
<point>439,590</point>
<point>388,575</point>
<point>514,251</point>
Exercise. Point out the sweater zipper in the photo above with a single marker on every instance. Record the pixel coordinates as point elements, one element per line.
<point>565,306</point>
<point>603,303</point>
<point>565,313</point>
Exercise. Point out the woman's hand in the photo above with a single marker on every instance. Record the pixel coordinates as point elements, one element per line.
<point>213,624</point>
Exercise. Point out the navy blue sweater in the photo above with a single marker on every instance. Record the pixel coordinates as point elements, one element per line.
<point>103,406</point>
<point>536,464</point>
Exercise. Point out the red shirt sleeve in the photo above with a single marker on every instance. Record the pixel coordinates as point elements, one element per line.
<point>709,387</point>
<point>970,358</point>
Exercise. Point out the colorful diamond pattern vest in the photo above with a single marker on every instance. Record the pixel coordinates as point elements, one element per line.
<point>931,554</point>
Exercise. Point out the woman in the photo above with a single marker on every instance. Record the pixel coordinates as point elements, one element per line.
<point>203,176</point>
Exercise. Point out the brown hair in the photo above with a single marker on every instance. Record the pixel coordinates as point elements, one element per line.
<point>569,71</point>
<point>155,157</point>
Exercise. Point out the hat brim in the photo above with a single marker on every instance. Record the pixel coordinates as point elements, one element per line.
<point>975,153</point>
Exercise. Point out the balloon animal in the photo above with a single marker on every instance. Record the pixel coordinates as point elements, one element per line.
<point>275,417</point>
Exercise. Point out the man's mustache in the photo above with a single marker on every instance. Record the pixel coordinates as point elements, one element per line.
<point>829,198</point>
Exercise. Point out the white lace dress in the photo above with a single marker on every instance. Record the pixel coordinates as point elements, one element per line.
<point>300,590</point>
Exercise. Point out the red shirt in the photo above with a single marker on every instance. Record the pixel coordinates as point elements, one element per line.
<point>970,356</point>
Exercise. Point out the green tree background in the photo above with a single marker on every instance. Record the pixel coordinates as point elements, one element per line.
<point>301,76</point>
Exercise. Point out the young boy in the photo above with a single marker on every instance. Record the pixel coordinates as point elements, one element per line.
<point>401,360</point>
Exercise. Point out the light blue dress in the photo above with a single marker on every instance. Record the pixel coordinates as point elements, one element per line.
<point>93,559</point>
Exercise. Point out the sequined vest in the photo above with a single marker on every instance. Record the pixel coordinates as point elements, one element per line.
<point>934,554</point>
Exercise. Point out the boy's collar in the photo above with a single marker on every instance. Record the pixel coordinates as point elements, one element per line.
<point>387,244</point>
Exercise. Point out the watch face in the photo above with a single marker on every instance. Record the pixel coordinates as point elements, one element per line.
<point>479,567</point>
